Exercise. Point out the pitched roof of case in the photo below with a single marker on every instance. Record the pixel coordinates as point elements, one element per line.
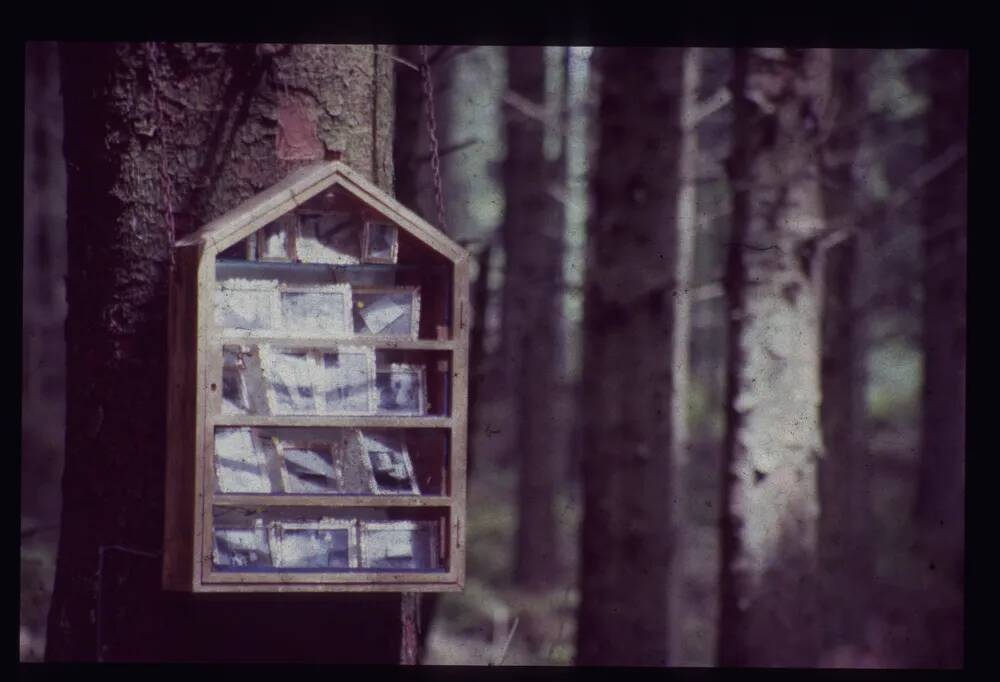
<point>300,186</point>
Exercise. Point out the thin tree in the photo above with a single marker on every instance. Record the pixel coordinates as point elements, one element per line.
<point>773,436</point>
<point>846,542</point>
<point>160,139</point>
<point>629,390</point>
<point>533,246</point>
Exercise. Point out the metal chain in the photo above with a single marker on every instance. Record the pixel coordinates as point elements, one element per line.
<point>168,187</point>
<point>425,69</point>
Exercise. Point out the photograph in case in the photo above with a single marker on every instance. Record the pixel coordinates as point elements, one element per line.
<point>346,380</point>
<point>240,463</point>
<point>309,468</point>
<point>388,461</point>
<point>274,241</point>
<point>235,396</point>
<point>322,310</point>
<point>388,311</point>
<point>246,304</point>
<point>399,545</point>
<point>326,544</point>
<point>289,376</point>
<point>242,548</point>
<point>402,389</point>
<point>381,243</point>
<point>329,237</point>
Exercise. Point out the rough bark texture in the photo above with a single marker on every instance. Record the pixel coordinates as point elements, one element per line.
<point>628,386</point>
<point>773,437</point>
<point>214,136</point>
<point>846,543</point>
<point>533,233</point>
<point>940,494</point>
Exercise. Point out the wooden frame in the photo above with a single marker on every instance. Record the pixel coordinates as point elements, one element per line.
<point>380,243</point>
<point>195,371</point>
<point>359,306</point>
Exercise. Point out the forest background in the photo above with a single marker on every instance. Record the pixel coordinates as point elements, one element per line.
<point>529,171</point>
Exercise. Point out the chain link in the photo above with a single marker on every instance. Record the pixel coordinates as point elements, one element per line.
<point>168,187</point>
<point>425,69</point>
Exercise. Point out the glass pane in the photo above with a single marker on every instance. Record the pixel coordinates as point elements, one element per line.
<point>331,461</point>
<point>241,462</point>
<point>288,299</point>
<point>274,242</point>
<point>350,539</point>
<point>381,243</point>
<point>241,548</point>
<point>387,312</point>
<point>329,237</point>
<point>325,311</point>
<point>399,545</point>
<point>313,545</point>
<point>336,381</point>
<point>243,304</point>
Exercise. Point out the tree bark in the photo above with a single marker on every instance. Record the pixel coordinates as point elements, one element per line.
<point>206,117</point>
<point>629,389</point>
<point>773,436</point>
<point>533,244</point>
<point>846,542</point>
<point>940,493</point>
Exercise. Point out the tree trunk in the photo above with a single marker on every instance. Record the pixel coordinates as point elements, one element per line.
<point>533,244</point>
<point>629,400</point>
<point>206,117</point>
<point>773,437</point>
<point>846,543</point>
<point>940,493</point>
<point>686,220</point>
<point>414,187</point>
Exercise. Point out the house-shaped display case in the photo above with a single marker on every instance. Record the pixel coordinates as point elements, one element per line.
<point>318,380</point>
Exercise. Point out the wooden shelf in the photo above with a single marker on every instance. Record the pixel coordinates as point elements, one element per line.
<point>285,500</point>
<point>367,421</point>
<point>379,342</point>
<point>312,588</point>
<point>384,578</point>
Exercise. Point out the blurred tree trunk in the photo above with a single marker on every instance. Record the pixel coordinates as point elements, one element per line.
<point>43,301</point>
<point>213,134</point>
<point>410,147</point>
<point>629,401</point>
<point>686,225</point>
<point>846,543</point>
<point>940,493</point>
<point>768,588</point>
<point>415,189</point>
<point>533,247</point>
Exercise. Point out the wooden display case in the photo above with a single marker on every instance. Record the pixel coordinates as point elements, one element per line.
<point>317,407</point>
